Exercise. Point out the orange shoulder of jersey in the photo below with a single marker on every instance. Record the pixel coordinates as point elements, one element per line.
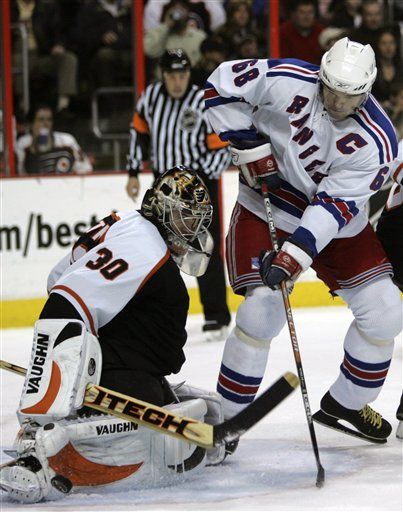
<point>213,142</point>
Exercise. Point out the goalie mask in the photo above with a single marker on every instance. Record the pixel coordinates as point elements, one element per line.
<point>179,205</point>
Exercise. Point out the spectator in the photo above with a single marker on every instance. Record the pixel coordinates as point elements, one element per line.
<point>174,32</point>
<point>371,23</point>
<point>329,36</point>
<point>395,109</point>
<point>299,36</point>
<point>48,53</point>
<point>248,47</point>
<point>44,151</point>
<point>388,63</point>
<point>205,15</point>
<point>213,52</point>
<point>239,25</point>
<point>345,13</point>
<point>104,36</point>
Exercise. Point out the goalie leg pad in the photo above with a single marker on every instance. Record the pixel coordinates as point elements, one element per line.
<point>30,479</point>
<point>103,451</point>
<point>214,415</point>
<point>64,359</point>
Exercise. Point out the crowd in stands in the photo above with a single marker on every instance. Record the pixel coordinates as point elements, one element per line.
<point>78,46</point>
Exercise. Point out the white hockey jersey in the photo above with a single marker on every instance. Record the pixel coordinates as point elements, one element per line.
<point>328,169</point>
<point>65,155</point>
<point>395,198</point>
<point>122,281</point>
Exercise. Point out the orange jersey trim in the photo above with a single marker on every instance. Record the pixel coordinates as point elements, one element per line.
<point>140,124</point>
<point>154,270</point>
<point>43,406</point>
<point>81,471</point>
<point>213,141</point>
<point>80,301</point>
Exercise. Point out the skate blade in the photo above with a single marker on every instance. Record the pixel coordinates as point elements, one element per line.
<point>331,422</point>
<point>11,462</point>
<point>11,453</point>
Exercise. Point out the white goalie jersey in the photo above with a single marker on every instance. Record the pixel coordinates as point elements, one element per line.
<point>120,275</point>
<point>328,169</point>
<point>100,280</point>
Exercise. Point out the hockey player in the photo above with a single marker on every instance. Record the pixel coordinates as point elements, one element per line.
<point>389,231</point>
<point>116,316</point>
<point>323,145</point>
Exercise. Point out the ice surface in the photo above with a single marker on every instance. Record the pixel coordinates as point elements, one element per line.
<point>274,468</point>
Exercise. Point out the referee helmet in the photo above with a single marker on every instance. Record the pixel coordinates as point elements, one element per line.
<point>174,60</point>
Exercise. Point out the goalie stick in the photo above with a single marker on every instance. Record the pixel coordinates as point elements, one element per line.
<point>320,477</point>
<point>187,429</point>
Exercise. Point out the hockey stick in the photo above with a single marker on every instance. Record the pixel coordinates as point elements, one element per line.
<point>186,429</point>
<point>320,477</point>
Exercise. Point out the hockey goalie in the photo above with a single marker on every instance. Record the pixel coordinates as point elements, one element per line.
<point>116,316</point>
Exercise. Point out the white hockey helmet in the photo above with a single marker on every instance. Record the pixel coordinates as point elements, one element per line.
<point>349,67</point>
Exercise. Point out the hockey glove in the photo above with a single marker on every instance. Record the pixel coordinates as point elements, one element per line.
<point>257,165</point>
<point>287,264</point>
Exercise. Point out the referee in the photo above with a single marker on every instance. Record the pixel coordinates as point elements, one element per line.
<point>170,128</point>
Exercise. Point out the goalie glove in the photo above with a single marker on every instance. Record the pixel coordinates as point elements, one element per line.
<point>287,264</point>
<point>257,165</point>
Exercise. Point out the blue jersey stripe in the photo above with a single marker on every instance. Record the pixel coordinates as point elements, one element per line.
<point>285,206</point>
<point>363,125</point>
<point>240,135</point>
<point>305,237</point>
<point>379,117</point>
<point>294,62</point>
<point>287,186</point>
<point>331,208</point>
<point>214,102</point>
<point>312,80</point>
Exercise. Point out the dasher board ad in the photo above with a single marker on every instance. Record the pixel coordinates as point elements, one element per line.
<point>43,217</point>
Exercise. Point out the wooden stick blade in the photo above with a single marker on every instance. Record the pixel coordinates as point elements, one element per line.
<point>262,405</point>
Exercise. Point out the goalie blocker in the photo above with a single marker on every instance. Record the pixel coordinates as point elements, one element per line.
<point>65,358</point>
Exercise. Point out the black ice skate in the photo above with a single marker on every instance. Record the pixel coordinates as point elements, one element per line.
<point>399,416</point>
<point>231,446</point>
<point>399,412</point>
<point>369,424</point>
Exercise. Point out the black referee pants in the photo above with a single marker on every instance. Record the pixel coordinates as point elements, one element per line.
<point>212,286</point>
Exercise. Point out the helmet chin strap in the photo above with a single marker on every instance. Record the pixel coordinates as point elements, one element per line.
<point>366,95</point>
<point>176,244</point>
<point>194,261</point>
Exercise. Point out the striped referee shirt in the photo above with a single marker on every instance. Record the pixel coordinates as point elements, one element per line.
<point>171,132</point>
